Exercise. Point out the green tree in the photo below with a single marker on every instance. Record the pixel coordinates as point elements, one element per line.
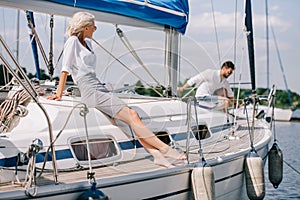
<point>140,88</point>
<point>2,72</point>
<point>154,92</point>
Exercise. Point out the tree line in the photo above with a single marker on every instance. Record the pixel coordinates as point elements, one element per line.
<point>281,97</point>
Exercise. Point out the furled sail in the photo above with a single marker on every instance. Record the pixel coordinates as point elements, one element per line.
<point>143,13</point>
<point>249,29</point>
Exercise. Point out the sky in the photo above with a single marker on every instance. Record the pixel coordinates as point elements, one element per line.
<point>283,17</point>
<point>214,34</point>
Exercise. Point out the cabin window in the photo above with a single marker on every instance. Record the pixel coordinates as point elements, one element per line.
<point>163,136</point>
<point>203,132</point>
<point>99,149</point>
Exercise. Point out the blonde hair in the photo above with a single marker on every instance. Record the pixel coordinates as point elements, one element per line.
<point>78,22</point>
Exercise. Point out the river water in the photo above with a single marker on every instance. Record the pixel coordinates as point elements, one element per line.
<point>287,134</point>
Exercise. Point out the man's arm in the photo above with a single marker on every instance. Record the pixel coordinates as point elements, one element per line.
<point>184,87</point>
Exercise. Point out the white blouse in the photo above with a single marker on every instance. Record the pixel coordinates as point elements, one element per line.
<point>78,60</point>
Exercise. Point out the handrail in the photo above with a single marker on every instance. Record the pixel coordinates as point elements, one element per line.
<point>19,68</point>
<point>34,96</point>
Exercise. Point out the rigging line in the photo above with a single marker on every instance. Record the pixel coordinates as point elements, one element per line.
<point>119,61</point>
<point>189,92</point>
<point>293,168</point>
<point>153,100</point>
<point>37,40</point>
<point>232,46</point>
<point>25,52</point>
<point>58,59</point>
<point>239,87</point>
<point>127,44</point>
<point>103,76</point>
<point>281,66</point>
<point>216,33</point>
<point>273,125</point>
<point>248,124</point>
<point>83,113</point>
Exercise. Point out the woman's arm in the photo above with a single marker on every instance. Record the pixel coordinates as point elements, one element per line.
<point>60,88</point>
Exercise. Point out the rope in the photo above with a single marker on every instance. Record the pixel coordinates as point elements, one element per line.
<point>104,73</point>
<point>119,61</point>
<point>127,44</point>
<point>83,113</point>
<point>30,177</point>
<point>189,92</point>
<point>293,168</point>
<point>9,107</point>
<point>248,124</point>
<point>7,85</point>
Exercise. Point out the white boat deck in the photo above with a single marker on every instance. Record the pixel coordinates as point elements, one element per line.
<point>213,149</point>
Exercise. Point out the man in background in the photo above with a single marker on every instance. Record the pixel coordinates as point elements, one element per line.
<point>213,86</point>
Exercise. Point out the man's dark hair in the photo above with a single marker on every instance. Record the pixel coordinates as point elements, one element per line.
<point>228,64</point>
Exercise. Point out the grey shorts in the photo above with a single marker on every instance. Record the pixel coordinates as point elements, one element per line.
<point>95,94</point>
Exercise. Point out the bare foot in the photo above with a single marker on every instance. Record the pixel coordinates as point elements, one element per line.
<point>169,152</point>
<point>159,159</point>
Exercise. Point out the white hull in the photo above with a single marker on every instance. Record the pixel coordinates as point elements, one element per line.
<point>151,181</point>
<point>123,169</point>
<point>280,114</point>
<point>163,184</point>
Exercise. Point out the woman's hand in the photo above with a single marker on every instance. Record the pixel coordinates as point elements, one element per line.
<point>54,97</point>
<point>59,92</point>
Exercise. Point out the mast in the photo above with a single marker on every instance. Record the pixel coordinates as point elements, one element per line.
<point>249,30</point>
<point>172,58</point>
<point>33,43</point>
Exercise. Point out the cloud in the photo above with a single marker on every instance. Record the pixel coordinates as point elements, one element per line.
<point>203,23</point>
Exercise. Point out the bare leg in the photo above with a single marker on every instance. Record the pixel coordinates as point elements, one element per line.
<point>159,159</point>
<point>223,94</point>
<point>131,118</point>
<point>145,135</point>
